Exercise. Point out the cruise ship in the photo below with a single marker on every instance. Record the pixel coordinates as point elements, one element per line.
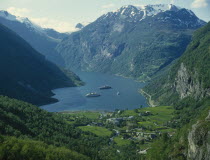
<point>105,87</point>
<point>92,95</point>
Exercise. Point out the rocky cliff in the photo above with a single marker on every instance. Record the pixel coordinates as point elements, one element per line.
<point>199,140</point>
<point>188,84</point>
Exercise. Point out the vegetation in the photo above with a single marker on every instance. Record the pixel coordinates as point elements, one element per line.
<point>191,109</point>
<point>73,135</point>
<point>196,60</point>
<point>24,120</point>
<point>13,148</point>
<point>26,74</point>
<point>99,131</point>
<point>121,142</point>
<point>175,147</point>
<point>81,114</point>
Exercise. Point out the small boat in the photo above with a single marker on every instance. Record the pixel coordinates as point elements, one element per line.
<point>92,94</point>
<point>118,93</point>
<point>105,87</point>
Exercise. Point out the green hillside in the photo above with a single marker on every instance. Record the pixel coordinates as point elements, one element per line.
<point>26,74</point>
<point>188,77</point>
<point>19,149</point>
<point>186,86</point>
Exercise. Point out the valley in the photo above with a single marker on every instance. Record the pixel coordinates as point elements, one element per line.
<point>133,84</point>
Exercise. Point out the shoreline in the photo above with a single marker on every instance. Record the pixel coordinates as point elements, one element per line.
<point>127,77</point>
<point>148,98</point>
<point>102,110</point>
<point>85,111</point>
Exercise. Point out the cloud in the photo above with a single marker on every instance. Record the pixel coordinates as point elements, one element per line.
<point>18,11</point>
<point>199,4</point>
<point>111,5</point>
<point>172,1</point>
<point>61,26</point>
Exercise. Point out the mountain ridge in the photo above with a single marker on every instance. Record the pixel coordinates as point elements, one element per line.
<point>25,73</point>
<point>126,46</point>
<point>44,40</point>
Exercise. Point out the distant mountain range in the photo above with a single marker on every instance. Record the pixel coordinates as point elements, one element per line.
<point>41,39</point>
<point>134,41</point>
<point>25,74</point>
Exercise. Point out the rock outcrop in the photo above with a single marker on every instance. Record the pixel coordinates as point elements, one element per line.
<point>187,84</point>
<point>199,140</point>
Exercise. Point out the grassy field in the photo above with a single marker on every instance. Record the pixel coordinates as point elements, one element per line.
<point>128,113</point>
<point>147,124</point>
<point>121,142</point>
<point>156,120</point>
<point>87,114</point>
<point>99,131</point>
<point>161,111</point>
<point>160,114</point>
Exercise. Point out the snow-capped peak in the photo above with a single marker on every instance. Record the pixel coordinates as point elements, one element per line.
<point>149,10</point>
<point>24,20</point>
<point>139,12</point>
<point>8,16</point>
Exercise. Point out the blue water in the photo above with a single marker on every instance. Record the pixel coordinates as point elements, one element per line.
<point>73,98</point>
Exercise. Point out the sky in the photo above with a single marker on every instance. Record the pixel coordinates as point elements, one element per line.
<point>63,15</point>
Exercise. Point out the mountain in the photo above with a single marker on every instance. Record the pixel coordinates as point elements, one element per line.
<point>189,76</point>
<point>134,41</point>
<point>79,26</point>
<point>41,39</point>
<point>186,86</point>
<point>25,73</point>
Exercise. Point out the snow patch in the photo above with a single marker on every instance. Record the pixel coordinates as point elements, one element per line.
<point>26,21</point>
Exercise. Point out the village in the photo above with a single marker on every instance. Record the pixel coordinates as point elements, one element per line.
<point>123,127</point>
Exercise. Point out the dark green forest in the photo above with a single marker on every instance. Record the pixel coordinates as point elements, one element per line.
<point>26,74</point>
<point>32,125</point>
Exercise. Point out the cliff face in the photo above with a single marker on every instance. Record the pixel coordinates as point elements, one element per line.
<point>199,140</point>
<point>187,84</point>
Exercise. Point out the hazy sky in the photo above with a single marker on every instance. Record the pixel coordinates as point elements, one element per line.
<point>63,15</point>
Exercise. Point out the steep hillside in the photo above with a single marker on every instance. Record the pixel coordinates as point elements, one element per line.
<point>39,129</point>
<point>43,40</point>
<point>19,149</point>
<point>186,86</point>
<point>189,76</point>
<point>133,41</point>
<point>191,142</point>
<point>26,74</point>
